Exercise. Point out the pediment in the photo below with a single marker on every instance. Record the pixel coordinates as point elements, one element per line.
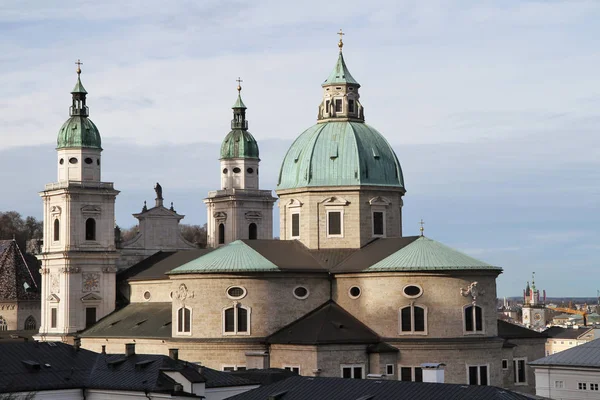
<point>220,215</point>
<point>158,212</point>
<point>294,203</point>
<point>55,210</point>
<point>53,298</point>
<point>335,201</point>
<point>380,201</point>
<point>91,297</point>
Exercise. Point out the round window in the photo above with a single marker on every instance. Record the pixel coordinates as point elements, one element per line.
<point>236,170</point>
<point>62,161</point>
<point>300,292</point>
<point>236,292</point>
<point>73,160</point>
<point>250,170</point>
<point>89,160</point>
<point>147,295</point>
<point>412,291</point>
<point>224,170</point>
<point>354,292</point>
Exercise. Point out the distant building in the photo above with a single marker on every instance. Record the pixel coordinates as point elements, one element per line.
<point>560,338</point>
<point>572,374</point>
<point>535,313</point>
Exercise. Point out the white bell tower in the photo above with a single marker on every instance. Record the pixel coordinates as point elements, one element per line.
<point>79,254</point>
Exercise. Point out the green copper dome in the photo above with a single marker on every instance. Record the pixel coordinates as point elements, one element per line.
<point>79,131</point>
<point>239,143</point>
<point>340,153</point>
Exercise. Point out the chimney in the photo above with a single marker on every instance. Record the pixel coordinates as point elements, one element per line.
<point>103,349</point>
<point>129,349</point>
<point>433,372</point>
<point>174,354</point>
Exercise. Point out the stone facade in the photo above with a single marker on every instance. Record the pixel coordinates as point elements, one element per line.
<point>357,205</point>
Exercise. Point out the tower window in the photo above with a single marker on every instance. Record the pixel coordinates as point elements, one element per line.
<point>378,223</point>
<point>221,233</point>
<point>98,161</point>
<point>90,316</point>
<point>350,106</point>
<point>252,231</point>
<point>473,319</point>
<point>90,229</point>
<point>413,319</point>
<point>53,317</point>
<point>236,170</point>
<point>184,320</point>
<point>224,170</point>
<point>56,229</point>
<point>89,160</point>
<point>338,105</point>
<point>250,170</point>
<point>334,223</point>
<point>295,225</point>
<point>327,105</point>
<point>478,375</point>
<point>73,160</point>
<point>62,161</point>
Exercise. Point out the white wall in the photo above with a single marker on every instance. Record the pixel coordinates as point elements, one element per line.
<point>546,379</point>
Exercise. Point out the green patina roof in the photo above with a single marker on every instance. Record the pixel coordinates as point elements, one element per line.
<point>79,87</point>
<point>239,103</point>
<point>425,254</point>
<point>239,144</point>
<point>338,154</point>
<point>79,131</point>
<point>235,257</point>
<point>340,73</point>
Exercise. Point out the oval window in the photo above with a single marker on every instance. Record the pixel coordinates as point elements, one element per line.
<point>73,160</point>
<point>147,295</point>
<point>62,161</point>
<point>250,170</point>
<point>88,160</point>
<point>236,292</point>
<point>300,292</point>
<point>412,291</point>
<point>236,170</point>
<point>354,292</point>
<point>224,170</point>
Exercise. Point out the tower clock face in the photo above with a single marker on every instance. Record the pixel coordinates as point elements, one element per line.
<point>537,317</point>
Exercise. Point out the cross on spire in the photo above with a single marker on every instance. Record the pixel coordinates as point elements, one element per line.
<point>79,64</point>
<point>239,81</point>
<point>341,42</point>
<point>422,229</point>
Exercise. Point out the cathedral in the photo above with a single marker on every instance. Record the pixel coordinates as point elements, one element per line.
<point>342,293</point>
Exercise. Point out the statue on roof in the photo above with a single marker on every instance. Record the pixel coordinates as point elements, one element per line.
<point>158,190</point>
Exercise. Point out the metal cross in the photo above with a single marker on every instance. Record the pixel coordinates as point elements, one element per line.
<point>79,64</point>
<point>341,34</point>
<point>422,229</point>
<point>239,81</point>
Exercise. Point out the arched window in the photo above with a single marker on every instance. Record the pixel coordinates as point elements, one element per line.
<point>236,320</point>
<point>90,229</point>
<point>3,324</point>
<point>473,319</point>
<point>413,320</point>
<point>30,324</point>
<point>184,320</point>
<point>221,233</point>
<point>56,230</point>
<point>252,231</point>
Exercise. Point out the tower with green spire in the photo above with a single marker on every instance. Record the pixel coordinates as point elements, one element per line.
<point>239,210</point>
<point>79,254</point>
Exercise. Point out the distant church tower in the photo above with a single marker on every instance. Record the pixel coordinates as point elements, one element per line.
<point>240,210</point>
<point>534,307</point>
<point>78,256</point>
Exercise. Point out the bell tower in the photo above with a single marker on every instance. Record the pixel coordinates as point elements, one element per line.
<point>239,210</point>
<point>79,253</point>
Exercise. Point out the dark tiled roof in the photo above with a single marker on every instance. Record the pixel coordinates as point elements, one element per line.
<point>382,347</point>
<point>27,367</point>
<point>158,264</point>
<point>307,388</point>
<point>17,272</point>
<point>372,253</point>
<point>265,376</point>
<point>286,254</point>
<point>557,332</point>
<point>327,324</point>
<point>135,320</point>
<point>585,355</point>
<point>506,330</point>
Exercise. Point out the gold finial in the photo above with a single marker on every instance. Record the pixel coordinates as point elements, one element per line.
<point>341,42</point>
<point>79,64</point>
<point>421,228</point>
<point>239,81</point>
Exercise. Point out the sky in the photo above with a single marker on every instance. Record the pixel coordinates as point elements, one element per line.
<point>491,106</point>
